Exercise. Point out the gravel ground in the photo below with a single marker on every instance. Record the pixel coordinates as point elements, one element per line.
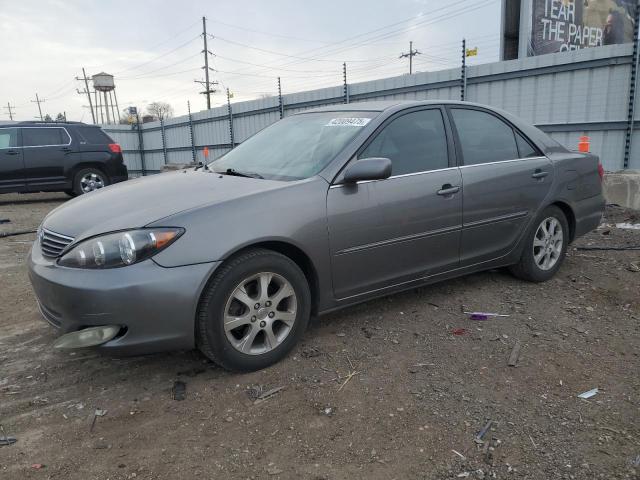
<point>384,390</point>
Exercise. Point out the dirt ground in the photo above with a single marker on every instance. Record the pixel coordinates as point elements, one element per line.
<point>384,390</point>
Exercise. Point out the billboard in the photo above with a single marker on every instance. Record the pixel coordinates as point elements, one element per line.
<point>562,25</point>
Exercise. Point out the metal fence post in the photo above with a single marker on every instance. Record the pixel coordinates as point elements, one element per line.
<point>280,104</point>
<point>633,86</point>
<point>191,137</point>
<point>140,143</point>
<point>346,85</point>
<point>463,71</point>
<point>164,141</point>
<point>233,144</point>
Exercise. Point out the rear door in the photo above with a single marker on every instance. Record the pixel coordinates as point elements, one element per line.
<point>403,228</point>
<point>505,179</point>
<point>45,151</point>
<point>11,164</point>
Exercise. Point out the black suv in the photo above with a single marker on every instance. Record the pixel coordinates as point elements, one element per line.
<point>71,157</point>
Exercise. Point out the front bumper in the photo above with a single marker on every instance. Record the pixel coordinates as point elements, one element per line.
<point>155,306</point>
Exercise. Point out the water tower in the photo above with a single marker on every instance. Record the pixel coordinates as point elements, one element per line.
<point>104,86</point>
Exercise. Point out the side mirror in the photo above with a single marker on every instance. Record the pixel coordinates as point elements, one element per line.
<point>368,169</point>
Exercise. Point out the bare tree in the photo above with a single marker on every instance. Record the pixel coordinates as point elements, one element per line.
<point>160,110</point>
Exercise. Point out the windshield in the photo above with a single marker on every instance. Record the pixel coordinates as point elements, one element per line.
<point>294,148</point>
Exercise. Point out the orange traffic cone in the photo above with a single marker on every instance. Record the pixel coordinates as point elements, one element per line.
<point>584,145</point>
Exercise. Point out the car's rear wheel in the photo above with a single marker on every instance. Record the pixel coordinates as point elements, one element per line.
<point>253,311</point>
<point>545,246</point>
<point>89,179</point>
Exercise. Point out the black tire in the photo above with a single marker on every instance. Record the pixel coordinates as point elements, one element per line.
<point>527,268</point>
<point>211,337</point>
<point>77,179</point>
<point>71,193</point>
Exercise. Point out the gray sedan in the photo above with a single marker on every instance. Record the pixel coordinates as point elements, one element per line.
<point>321,210</point>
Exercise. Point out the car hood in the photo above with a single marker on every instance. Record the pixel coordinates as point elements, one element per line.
<point>137,203</point>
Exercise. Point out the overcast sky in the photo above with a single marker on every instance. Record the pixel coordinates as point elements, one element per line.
<point>154,49</point>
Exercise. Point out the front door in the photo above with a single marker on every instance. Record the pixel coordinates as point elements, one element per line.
<point>11,165</point>
<point>505,178</point>
<point>393,231</point>
<point>45,151</point>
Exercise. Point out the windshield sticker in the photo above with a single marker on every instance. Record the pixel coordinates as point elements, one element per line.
<point>348,122</point>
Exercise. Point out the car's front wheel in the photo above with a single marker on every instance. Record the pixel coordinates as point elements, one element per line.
<point>253,311</point>
<point>545,246</point>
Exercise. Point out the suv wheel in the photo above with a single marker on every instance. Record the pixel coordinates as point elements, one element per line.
<point>89,179</point>
<point>253,312</point>
<point>545,246</point>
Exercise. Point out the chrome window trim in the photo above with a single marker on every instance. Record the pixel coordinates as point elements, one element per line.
<point>503,161</point>
<point>396,176</point>
<point>55,145</point>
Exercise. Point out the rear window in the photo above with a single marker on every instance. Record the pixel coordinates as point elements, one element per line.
<point>44,136</point>
<point>93,136</point>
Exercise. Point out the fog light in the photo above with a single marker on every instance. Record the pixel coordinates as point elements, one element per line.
<point>89,337</point>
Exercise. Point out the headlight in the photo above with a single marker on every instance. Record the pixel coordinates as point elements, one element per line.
<point>119,249</point>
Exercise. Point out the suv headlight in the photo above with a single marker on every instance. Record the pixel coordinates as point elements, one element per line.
<point>119,249</point>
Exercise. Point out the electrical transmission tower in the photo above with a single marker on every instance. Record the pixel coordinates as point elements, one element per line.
<point>206,83</point>
<point>412,53</point>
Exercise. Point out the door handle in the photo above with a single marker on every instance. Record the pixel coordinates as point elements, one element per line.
<point>448,189</point>
<point>539,174</point>
<point>12,152</point>
<point>66,149</point>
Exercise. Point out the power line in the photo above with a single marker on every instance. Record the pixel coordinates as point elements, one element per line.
<point>135,67</point>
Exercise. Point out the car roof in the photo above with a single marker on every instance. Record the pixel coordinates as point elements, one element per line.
<point>38,123</point>
<point>382,105</point>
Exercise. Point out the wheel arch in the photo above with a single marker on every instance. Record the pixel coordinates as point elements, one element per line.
<point>295,254</point>
<point>571,217</point>
<point>88,164</point>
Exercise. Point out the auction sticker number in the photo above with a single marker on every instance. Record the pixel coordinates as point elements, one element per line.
<point>348,122</point>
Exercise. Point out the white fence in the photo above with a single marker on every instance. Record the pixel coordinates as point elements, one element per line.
<point>585,92</point>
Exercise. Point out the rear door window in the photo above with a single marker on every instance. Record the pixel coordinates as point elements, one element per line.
<point>8,137</point>
<point>414,142</point>
<point>93,136</point>
<point>483,137</point>
<point>44,136</point>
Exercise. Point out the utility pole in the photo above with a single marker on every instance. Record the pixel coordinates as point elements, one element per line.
<point>9,107</point>
<point>412,53</point>
<point>280,104</point>
<point>463,71</point>
<point>87,92</point>
<point>346,85</point>
<point>207,84</point>
<point>39,101</point>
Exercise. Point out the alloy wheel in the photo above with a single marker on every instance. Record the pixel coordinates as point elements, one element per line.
<point>91,181</point>
<point>259,313</point>
<point>548,243</point>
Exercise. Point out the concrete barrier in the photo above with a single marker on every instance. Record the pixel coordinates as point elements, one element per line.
<point>623,188</point>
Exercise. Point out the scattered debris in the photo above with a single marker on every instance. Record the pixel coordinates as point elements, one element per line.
<point>96,414</point>
<point>254,391</point>
<point>636,461</point>
<point>341,334</point>
<point>179,390</point>
<point>38,466</point>
<point>634,267</point>
<point>628,226</point>
<point>269,393</point>
<point>459,454</point>
<point>4,220</point>
<point>18,232</point>
<point>588,394</point>
<point>483,432</point>
<point>328,411</point>
<point>483,315</point>
<point>5,440</point>
<point>310,352</point>
<point>599,247</point>
<point>515,354</point>
<point>459,331</point>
